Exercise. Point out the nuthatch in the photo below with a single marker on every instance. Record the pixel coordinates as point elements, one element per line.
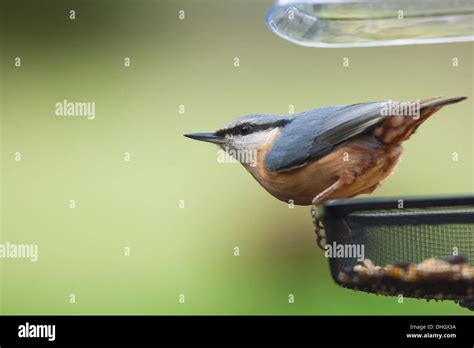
<point>325,153</point>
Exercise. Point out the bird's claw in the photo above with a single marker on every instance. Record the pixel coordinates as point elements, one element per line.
<point>318,227</point>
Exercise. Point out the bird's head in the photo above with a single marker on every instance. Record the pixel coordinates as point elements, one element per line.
<point>249,133</point>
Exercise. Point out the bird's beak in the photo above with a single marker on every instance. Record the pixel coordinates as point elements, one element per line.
<point>207,137</point>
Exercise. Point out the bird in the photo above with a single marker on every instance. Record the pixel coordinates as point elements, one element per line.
<point>326,153</point>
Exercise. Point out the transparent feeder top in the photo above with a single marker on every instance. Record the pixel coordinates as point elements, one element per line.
<point>336,23</point>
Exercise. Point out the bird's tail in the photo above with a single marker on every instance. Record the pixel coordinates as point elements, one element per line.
<point>398,128</point>
<point>428,102</point>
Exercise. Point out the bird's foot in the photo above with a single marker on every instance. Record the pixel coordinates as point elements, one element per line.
<point>318,226</point>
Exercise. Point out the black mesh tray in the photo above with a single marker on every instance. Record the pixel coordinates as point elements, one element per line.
<point>403,234</point>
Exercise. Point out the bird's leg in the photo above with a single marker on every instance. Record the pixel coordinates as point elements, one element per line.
<point>321,197</point>
<point>347,177</point>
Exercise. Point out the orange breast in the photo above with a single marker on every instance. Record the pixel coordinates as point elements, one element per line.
<point>366,156</point>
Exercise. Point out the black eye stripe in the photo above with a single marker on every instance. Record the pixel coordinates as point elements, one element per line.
<point>236,130</point>
<point>245,128</point>
<point>252,128</point>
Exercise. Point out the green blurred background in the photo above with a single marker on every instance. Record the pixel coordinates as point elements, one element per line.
<point>135,204</point>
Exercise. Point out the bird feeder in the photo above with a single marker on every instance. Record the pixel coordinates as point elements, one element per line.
<point>421,248</point>
<point>363,23</point>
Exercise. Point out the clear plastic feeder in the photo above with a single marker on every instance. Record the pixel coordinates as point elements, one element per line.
<point>363,23</point>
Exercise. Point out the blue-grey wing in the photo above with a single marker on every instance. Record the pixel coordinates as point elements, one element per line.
<point>313,134</point>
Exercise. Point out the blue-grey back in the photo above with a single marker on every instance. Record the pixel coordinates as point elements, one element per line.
<point>313,134</point>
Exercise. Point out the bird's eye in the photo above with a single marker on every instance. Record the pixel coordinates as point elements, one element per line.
<point>245,130</point>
